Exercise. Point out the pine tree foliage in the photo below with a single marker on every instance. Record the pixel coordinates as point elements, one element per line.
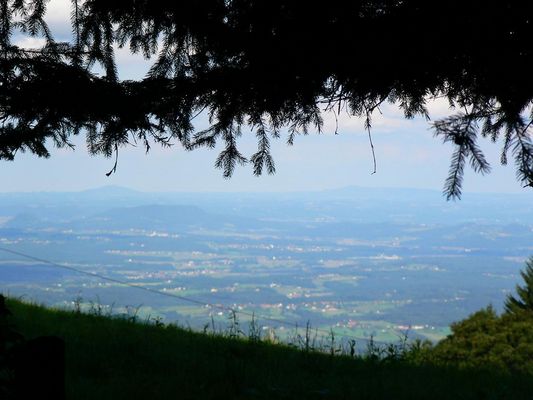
<point>273,66</point>
<point>462,131</point>
<point>523,302</point>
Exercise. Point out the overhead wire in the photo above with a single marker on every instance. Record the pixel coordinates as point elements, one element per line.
<point>180,297</point>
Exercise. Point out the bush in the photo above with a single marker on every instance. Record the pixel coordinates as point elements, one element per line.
<point>487,340</point>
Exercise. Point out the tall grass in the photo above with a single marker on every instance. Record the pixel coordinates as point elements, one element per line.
<point>128,358</point>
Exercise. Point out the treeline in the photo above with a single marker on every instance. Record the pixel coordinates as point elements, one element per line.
<point>488,340</point>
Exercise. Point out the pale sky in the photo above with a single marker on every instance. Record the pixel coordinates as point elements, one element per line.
<point>407,155</point>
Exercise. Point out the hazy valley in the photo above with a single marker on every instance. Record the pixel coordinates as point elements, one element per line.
<point>363,262</point>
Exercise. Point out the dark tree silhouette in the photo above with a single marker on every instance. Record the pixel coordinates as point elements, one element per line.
<point>523,302</point>
<point>270,65</point>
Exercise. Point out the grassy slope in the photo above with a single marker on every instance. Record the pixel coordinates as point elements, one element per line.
<point>117,359</point>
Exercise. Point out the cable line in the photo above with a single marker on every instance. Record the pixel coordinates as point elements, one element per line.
<point>178,297</point>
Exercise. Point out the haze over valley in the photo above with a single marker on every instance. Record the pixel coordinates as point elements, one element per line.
<point>362,262</point>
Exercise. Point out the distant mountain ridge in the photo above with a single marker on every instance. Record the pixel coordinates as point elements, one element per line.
<point>349,204</point>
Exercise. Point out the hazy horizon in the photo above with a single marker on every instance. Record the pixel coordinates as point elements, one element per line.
<point>268,190</point>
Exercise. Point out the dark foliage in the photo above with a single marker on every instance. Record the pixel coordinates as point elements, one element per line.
<point>488,340</point>
<point>269,65</point>
<point>29,368</point>
<point>523,302</point>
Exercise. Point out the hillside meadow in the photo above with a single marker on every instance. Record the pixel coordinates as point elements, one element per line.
<point>125,358</point>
